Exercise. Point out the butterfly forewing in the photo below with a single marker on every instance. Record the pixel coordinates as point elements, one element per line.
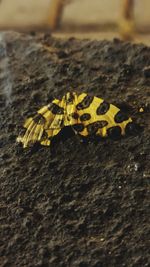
<point>98,117</point>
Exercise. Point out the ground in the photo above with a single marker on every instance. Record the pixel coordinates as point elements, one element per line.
<point>77,203</point>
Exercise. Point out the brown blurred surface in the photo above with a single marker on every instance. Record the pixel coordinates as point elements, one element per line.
<point>95,19</point>
<point>98,20</point>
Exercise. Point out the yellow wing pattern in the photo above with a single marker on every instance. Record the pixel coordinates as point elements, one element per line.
<point>44,125</point>
<point>86,114</point>
<point>98,117</point>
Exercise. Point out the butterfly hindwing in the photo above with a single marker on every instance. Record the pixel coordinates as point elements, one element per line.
<point>44,125</point>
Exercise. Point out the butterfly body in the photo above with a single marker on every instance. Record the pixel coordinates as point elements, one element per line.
<point>87,115</point>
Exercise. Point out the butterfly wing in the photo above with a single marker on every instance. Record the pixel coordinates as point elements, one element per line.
<point>44,125</point>
<point>98,117</point>
<point>88,115</point>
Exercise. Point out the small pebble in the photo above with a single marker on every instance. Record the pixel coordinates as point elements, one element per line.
<point>141,110</point>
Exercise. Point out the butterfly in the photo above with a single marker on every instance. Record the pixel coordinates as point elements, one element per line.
<point>87,115</point>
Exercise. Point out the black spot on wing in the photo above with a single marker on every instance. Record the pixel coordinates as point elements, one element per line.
<point>120,117</point>
<point>55,109</point>
<point>75,115</point>
<point>45,136</point>
<point>103,108</point>
<point>85,103</point>
<point>114,132</point>
<point>78,127</point>
<point>85,117</point>
<point>92,128</point>
<point>70,98</point>
<point>39,119</point>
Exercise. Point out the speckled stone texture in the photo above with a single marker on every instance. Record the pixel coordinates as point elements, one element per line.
<point>77,203</point>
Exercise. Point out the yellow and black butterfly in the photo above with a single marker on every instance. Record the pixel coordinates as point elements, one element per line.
<point>87,115</point>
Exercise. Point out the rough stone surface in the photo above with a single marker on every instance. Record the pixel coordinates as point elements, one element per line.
<point>77,203</point>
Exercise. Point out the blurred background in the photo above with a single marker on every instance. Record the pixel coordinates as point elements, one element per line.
<point>96,19</point>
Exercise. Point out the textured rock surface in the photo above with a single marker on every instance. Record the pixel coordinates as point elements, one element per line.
<point>77,203</point>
